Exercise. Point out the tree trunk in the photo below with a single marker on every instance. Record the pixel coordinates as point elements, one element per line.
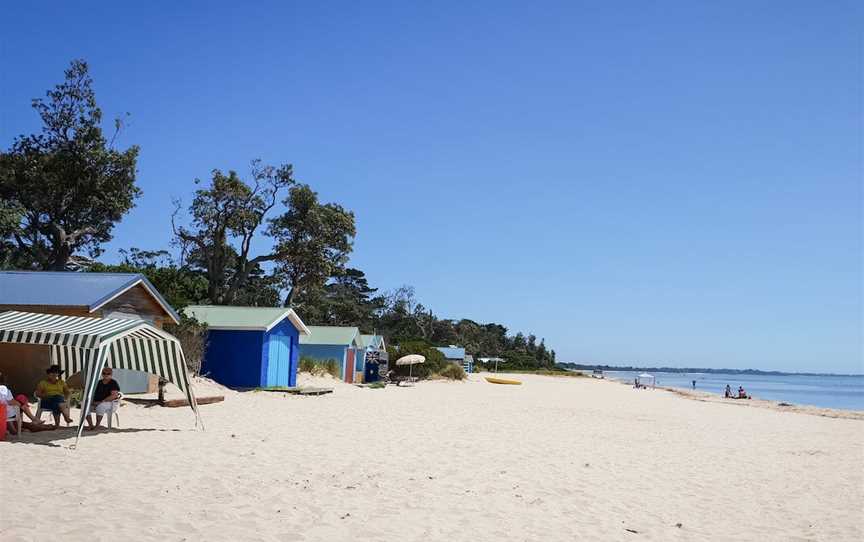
<point>289,299</point>
<point>60,252</point>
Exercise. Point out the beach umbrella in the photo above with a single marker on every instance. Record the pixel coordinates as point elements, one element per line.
<point>410,360</point>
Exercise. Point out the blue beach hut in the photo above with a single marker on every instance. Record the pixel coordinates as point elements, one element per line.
<point>250,347</point>
<point>456,355</point>
<point>372,359</point>
<point>338,343</point>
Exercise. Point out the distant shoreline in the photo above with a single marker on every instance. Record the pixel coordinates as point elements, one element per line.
<point>770,404</point>
<point>758,372</point>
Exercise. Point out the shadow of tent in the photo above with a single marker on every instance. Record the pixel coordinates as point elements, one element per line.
<point>53,437</point>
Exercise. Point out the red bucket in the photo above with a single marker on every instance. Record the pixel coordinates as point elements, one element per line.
<point>3,418</point>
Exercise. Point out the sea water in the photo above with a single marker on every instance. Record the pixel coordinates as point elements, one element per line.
<point>845,392</point>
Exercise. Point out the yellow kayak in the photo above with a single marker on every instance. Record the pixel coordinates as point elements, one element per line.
<point>493,380</point>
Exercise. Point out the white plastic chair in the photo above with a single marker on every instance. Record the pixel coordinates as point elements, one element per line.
<point>39,411</point>
<point>112,414</point>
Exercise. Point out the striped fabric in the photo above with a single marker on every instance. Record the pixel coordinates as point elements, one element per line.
<point>80,344</point>
<point>51,329</point>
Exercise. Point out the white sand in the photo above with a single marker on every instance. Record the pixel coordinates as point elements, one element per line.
<point>554,459</point>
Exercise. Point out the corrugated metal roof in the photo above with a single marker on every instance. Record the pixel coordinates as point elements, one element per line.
<point>70,289</point>
<point>244,318</point>
<point>348,336</point>
<point>451,352</point>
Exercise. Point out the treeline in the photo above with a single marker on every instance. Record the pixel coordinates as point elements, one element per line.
<point>259,239</point>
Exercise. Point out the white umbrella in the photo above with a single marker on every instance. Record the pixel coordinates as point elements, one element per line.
<point>410,360</point>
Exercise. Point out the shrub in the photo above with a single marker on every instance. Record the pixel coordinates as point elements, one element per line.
<point>192,335</point>
<point>319,367</point>
<point>452,371</point>
<point>435,361</point>
<point>306,365</point>
<point>330,367</point>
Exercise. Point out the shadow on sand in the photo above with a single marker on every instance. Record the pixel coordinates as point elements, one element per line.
<point>50,437</point>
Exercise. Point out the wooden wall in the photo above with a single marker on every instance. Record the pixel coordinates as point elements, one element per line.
<point>24,365</point>
<point>137,301</point>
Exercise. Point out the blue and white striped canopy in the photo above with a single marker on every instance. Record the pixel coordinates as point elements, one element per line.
<point>88,344</point>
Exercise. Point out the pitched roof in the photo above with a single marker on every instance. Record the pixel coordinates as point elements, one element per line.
<point>333,335</point>
<point>375,341</point>
<point>244,318</point>
<point>451,352</point>
<point>69,289</point>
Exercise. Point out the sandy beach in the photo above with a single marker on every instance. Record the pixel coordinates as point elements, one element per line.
<point>553,459</point>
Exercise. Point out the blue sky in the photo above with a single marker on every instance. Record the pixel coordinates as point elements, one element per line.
<point>659,183</point>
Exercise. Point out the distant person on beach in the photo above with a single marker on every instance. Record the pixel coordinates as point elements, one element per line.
<point>54,395</point>
<point>741,393</point>
<point>694,384</point>
<point>728,391</point>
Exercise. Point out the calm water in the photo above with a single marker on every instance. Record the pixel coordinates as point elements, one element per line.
<point>845,392</point>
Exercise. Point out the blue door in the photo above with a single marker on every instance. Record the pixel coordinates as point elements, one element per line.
<point>278,361</point>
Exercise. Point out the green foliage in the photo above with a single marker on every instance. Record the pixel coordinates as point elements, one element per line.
<point>314,240</point>
<point>192,335</point>
<point>435,360</point>
<point>179,286</point>
<point>227,215</point>
<point>318,367</point>
<point>452,372</point>
<point>64,188</point>
<point>346,300</point>
<point>403,319</point>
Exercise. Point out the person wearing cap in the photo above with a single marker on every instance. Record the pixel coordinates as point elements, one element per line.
<point>107,391</point>
<point>53,395</point>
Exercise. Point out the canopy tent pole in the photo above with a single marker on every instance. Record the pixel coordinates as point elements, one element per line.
<point>92,373</point>
<point>189,395</point>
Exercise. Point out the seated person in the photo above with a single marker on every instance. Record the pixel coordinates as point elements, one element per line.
<point>107,391</point>
<point>741,393</point>
<point>18,401</point>
<point>53,395</point>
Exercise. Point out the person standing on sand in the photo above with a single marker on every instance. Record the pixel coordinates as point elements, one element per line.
<point>694,384</point>
<point>728,391</point>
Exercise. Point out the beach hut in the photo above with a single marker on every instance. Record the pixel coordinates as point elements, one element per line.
<point>372,361</point>
<point>250,347</point>
<point>128,296</point>
<point>468,365</point>
<point>456,355</point>
<point>338,343</point>
<point>646,380</point>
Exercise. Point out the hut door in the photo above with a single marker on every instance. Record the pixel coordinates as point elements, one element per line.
<point>349,366</point>
<point>279,361</point>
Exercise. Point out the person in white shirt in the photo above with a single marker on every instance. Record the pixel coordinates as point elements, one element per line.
<point>15,402</point>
